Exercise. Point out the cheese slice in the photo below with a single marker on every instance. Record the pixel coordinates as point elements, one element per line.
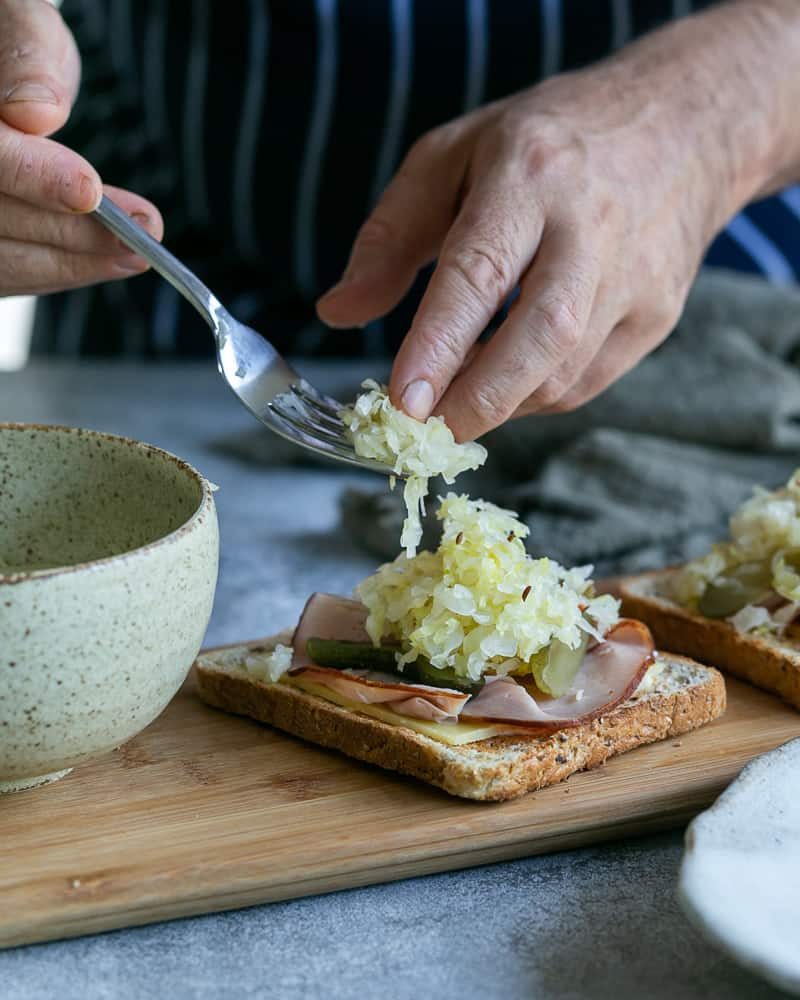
<point>454,734</point>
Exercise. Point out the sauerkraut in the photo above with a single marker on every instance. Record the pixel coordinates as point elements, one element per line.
<point>266,665</point>
<point>412,448</point>
<point>750,618</point>
<point>480,602</point>
<point>765,531</point>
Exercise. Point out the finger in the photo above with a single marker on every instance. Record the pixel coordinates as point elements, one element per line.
<point>34,269</point>
<point>77,233</point>
<point>45,173</point>
<point>544,331</point>
<point>402,234</point>
<point>606,316</point>
<point>39,67</point>
<point>490,244</point>
<point>623,350</point>
<point>135,205</point>
<point>471,356</point>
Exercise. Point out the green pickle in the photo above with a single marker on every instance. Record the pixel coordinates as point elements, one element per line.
<point>364,656</point>
<point>735,589</point>
<point>555,668</point>
<point>351,655</point>
<point>423,671</point>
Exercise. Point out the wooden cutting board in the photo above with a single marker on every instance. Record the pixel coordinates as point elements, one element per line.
<point>205,811</point>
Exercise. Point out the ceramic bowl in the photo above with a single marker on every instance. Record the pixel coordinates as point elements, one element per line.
<point>740,877</point>
<point>108,563</point>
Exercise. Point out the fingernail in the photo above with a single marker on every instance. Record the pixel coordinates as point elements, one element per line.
<point>82,198</point>
<point>132,264</point>
<point>29,91</point>
<point>417,399</point>
<point>141,219</point>
<point>89,191</point>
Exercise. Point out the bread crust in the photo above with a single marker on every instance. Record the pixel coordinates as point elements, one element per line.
<point>676,629</point>
<point>497,769</point>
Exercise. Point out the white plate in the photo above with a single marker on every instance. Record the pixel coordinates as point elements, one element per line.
<point>740,878</point>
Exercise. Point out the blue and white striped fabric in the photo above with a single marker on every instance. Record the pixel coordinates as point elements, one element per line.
<point>266,129</point>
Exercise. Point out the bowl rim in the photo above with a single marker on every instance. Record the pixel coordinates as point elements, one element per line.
<point>206,502</point>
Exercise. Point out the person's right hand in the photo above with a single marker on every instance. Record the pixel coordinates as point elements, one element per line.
<point>47,241</point>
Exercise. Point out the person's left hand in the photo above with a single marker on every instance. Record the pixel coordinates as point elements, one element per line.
<point>596,192</point>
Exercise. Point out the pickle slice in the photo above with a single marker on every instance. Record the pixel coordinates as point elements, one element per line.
<point>345,655</point>
<point>738,587</point>
<point>351,655</point>
<point>423,671</point>
<point>555,672</point>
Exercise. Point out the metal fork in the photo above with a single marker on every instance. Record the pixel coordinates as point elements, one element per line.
<point>261,379</point>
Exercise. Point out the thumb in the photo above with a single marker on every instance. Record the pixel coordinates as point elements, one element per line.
<point>39,66</point>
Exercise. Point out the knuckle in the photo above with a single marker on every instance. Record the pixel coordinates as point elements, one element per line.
<point>551,392</point>
<point>548,155</point>
<point>22,167</point>
<point>426,146</point>
<point>667,314</point>
<point>442,347</point>
<point>71,269</point>
<point>11,262</point>
<point>655,318</point>
<point>378,230</point>
<point>489,404</point>
<point>567,402</point>
<point>486,272</point>
<point>558,321</point>
<point>32,178</point>
<point>16,269</point>
<point>70,233</point>
<point>539,157</point>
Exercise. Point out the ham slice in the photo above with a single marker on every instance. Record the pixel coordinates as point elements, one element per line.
<point>772,602</point>
<point>611,671</point>
<point>327,616</point>
<point>371,687</point>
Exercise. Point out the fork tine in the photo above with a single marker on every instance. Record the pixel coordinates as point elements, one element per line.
<point>318,400</point>
<point>299,417</point>
<point>310,407</point>
<point>306,408</point>
<point>337,444</point>
<point>301,424</point>
<point>290,430</point>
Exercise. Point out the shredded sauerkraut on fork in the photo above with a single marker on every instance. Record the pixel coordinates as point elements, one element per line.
<point>415,449</point>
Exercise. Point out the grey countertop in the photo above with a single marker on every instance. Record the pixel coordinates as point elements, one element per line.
<point>595,923</point>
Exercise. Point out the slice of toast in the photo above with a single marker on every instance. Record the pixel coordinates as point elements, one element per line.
<point>769,662</point>
<point>679,696</point>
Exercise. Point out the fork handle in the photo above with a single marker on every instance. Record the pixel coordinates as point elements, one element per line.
<point>169,267</point>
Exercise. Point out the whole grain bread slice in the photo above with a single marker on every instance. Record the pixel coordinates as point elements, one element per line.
<point>684,696</point>
<point>769,662</point>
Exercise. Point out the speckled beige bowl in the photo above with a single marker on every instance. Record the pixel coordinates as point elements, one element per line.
<point>108,563</point>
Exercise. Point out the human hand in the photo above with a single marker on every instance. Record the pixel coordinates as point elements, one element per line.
<point>47,242</point>
<point>596,192</point>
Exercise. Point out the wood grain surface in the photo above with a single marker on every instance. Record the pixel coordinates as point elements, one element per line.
<point>205,811</point>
